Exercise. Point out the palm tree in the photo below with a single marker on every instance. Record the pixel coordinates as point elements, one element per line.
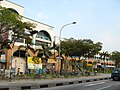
<point>116,58</point>
<point>44,53</point>
<point>104,55</point>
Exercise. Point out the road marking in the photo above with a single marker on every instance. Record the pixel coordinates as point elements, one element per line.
<point>92,84</point>
<point>103,87</point>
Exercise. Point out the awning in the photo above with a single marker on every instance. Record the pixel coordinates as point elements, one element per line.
<point>51,61</point>
<point>110,66</point>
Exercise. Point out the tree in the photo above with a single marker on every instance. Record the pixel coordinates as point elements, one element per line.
<point>104,56</point>
<point>79,48</point>
<point>44,53</point>
<point>8,20</point>
<point>116,57</point>
<point>12,22</point>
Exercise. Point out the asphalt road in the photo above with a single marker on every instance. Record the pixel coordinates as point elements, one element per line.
<point>97,85</point>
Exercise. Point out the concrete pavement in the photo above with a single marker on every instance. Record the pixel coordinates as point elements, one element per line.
<point>46,83</point>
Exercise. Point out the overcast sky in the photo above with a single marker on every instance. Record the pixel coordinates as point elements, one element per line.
<point>98,20</point>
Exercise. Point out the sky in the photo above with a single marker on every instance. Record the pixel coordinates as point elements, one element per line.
<point>98,20</point>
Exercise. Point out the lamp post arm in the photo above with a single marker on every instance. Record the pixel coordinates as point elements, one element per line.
<point>60,42</point>
<point>60,35</point>
<point>60,38</point>
<point>63,27</point>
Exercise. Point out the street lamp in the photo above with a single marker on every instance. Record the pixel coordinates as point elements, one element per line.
<point>60,43</point>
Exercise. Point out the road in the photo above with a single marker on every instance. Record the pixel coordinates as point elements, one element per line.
<point>97,85</point>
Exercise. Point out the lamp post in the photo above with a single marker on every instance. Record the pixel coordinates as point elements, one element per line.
<point>11,57</point>
<point>54,45</point>
<point>60,43</point>
<point>15,66</point>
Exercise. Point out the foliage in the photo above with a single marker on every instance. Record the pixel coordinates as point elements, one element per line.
<point>86,47</point>
<point>104,55</point>
<point>11,22</point>
<point>8,20</point>
<point>116,57</point>
<point>44,51</point>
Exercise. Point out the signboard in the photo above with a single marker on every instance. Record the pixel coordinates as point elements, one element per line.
<point>89,65</point>
<point>33,65</point>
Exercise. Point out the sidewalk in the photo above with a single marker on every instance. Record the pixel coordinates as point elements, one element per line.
<point>46,83</point>
<point>52,79</point>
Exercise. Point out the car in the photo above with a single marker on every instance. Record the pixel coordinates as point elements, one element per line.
<point>115,75</point>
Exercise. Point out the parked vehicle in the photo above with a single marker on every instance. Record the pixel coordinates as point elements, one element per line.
<point>115,74</point>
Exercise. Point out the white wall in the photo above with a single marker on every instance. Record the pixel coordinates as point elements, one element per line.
<point>18,62</point>
<point>8,4</point>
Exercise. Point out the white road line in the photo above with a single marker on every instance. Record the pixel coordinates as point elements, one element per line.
<point>92,84</point>
<point>103,87</point>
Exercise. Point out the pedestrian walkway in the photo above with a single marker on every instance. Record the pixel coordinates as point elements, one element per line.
<point>99,75</point>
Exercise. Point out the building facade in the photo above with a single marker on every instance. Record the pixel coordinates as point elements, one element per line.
<point>10,58</point>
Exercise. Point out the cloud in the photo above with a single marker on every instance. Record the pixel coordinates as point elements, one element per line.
<point>42,15</point>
